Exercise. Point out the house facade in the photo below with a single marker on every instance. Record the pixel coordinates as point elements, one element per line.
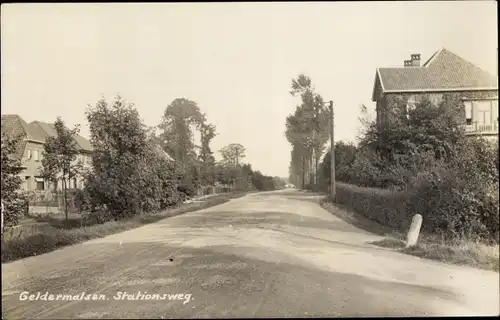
<point>31,148</point>
<point>396,90</point>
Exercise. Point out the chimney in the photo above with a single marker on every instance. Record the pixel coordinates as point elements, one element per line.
<point>407,63</point>
<point>415,60</point>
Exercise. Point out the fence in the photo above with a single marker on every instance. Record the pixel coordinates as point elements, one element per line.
<point>478,128</point>
<point>50,202</point>
<point>53,202</point>
<point>208,190</point>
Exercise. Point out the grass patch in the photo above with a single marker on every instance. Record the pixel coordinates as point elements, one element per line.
<point>356,219</point>
<point>52,232</point>
<point>390,242</point>
<point>459,252</point>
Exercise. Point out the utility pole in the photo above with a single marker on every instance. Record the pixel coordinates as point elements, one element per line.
<point>332,153</point>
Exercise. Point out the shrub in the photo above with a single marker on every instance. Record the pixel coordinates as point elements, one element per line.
<point>15,202</point>
<point>131,174</point>
<point>461,197</point>
<point>316,187</point>
<point>447,177</point>
<point>187,189</point>
<point>446,204</point>
<point>387,207</point>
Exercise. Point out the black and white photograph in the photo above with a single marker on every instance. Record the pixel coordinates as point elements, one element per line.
<point>197,160</point>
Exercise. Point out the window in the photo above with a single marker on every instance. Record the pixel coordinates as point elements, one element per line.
<point>494,108</point>
<point>411,104</point>
<point>40,183</point>
<point>28,155</point>
<point>37,155</point>
<point>484,114</point>
<point>468,112</point>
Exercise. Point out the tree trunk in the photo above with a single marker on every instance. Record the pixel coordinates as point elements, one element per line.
<point>303,172</point>
<point>314,156</point>
<point>65,199</point>
<point>316,165</point>
<point>309,169</point>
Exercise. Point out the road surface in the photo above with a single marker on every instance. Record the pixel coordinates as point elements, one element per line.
<point>276,254</point>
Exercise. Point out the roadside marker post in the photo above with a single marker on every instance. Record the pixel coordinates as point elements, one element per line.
<point>413,233</point>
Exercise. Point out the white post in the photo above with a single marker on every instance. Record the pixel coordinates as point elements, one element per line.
<point>412,237</point>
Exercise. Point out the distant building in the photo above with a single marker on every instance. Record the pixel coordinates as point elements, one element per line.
<point>444,72</point>
<point>30,151</point>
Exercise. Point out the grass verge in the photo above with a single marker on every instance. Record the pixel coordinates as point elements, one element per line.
<point>50,233</point>
<point>459,252</point>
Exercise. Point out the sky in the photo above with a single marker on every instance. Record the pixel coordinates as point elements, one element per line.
<point>236,60</point>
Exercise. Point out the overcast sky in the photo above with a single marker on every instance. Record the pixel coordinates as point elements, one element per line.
<point>236,60</point>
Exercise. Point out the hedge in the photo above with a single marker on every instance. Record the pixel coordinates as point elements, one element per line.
<point>387,207</point>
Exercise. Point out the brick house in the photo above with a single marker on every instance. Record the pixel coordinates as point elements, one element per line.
<point>30,150</point>
<point>444,72</point>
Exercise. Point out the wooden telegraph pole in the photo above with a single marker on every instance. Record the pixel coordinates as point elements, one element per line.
<point>332,153</point>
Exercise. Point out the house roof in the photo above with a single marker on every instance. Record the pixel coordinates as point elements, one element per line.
<point>49,130</point>
<point>37,131</point>
<point>14,126</point>
<point>444,71</point>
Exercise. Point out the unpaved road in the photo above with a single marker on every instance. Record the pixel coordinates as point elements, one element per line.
<point>264,255</point>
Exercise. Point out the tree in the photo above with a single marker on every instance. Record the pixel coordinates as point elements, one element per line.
<point>345,155</point>
<point>12,199</point>
<point>59,161</point>
<point>233,153</point>
<point>177,134</point>
<point>266,183</point>
<point>206,155</point>
<point>307,129</point>
<point>119,140</point>
<point>447,177</point>
<point>278,183</point>
<point>296,168</point>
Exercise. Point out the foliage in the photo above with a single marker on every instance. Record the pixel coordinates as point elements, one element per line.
<point>263,183</point>
<point>307,130</point>
<point>232,154</point>
<point>279,183</point>
<point>59,160</point>
<point>206,155</point>
<point>345,156</point>
<point>432,167</point>
<point>12,197</point>
<point>131,173</point>
<point>27,241</point>
<point>461,198</point>
<point>231,171</point>
<point>388,207</point>
<point>177,137</point>
<point>241,175</point>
